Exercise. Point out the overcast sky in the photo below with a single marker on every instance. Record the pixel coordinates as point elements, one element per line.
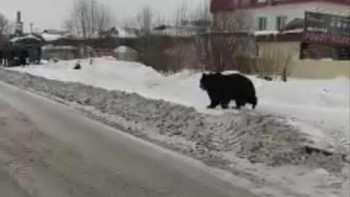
<point>50,14</point>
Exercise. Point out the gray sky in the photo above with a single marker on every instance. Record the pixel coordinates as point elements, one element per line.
<point>50,14</point>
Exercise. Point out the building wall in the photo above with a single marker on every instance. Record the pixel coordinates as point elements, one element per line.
<point>298,68</point>
<point>293,11</point>
<point>292,48</point>
<point>311,69</point>
<point>59,54</point>
<point>315,69</point>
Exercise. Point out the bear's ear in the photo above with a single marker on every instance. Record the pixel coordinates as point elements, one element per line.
<point>204,75</point>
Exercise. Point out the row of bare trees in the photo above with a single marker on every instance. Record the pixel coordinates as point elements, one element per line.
<point>88,18</point>
<point>5,29</point>
<point>215,49</point>
<point>226,44</point>
<point>230,45</point>
<point>228,38</point>
<point>4,25</point>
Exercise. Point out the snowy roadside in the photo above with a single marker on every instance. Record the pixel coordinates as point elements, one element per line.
<point>264,150</point>
<point>319,108</point>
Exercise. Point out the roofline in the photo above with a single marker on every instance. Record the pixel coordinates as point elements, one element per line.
<point>292,37</point>
<point>287,2</point>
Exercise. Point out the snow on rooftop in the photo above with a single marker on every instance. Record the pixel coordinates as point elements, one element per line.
<point>293,31</point>
<point>265,33</point>
<point>51,37</point>
<point>123,33</point>
<point>30,36</point>
<point>123,49</point>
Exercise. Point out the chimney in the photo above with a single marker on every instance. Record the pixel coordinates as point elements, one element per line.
<point>19,25</point>
<point>18,16</point>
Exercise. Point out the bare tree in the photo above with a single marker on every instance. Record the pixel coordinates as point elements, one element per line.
<point>181,13</point>
<point>88,18</point>
<point>202,12</point>
<point>145,20</point>
<point>274,62</point>
<point>159,20</point>
<point>103,18</point>
<point>227,39</point>
<point>238,20</point>
<point>5,29</point>
<point>4,25</point>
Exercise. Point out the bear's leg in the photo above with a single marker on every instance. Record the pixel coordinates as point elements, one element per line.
<point>253,106</point>
<point>254,102</point>
<point>214,99</point>
<point>214,104</point>
<point>239,104</point>
<point>224,103</point>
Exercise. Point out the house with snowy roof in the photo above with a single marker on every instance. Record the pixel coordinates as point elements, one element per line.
<point>50,35</point>
<point>289,26</point>
<point>273,15</point>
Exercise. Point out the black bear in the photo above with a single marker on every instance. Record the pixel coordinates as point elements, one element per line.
<point>224,88</point>
<point>77,66</point>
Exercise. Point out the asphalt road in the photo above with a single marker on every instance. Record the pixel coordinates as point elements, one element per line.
<point>47,149</point>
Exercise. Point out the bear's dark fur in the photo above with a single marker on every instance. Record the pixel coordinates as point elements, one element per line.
<point>77,66</point>
<point>224,88</point>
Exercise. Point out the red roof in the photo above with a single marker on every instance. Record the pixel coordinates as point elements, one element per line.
<point>222,5</point>
<point>229,5</point>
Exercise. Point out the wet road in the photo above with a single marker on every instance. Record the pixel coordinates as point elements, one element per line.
<point>47,149</point>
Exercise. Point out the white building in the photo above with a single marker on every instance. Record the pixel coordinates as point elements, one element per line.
<point>266,18</point>
<point>273,15</point>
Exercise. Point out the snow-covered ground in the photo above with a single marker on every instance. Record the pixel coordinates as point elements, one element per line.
<point>320,108</point>
<point>264,153</point>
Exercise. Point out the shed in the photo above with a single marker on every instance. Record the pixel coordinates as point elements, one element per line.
<point>27,46</point>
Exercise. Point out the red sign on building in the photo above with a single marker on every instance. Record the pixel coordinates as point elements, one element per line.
<point>326,29</point>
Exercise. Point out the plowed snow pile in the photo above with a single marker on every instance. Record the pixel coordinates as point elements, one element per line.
<point>264,146</point>
<point>319,108</point>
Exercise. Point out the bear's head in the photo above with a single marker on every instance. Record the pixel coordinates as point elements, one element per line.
<point>204,81</point>
<point>209,80</point>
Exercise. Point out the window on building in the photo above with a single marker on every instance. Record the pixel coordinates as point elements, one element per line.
<point>262,23</point>
<point>281,22</point>
<point>276,2</point>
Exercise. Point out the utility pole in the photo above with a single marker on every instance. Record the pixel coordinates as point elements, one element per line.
<point>31,27</point>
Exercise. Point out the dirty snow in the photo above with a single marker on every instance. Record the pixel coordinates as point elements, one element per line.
<point>320,108</point>
<point>262,149</point>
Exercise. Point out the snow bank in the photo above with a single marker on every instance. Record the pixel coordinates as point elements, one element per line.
<point>249,144</point>
<point>319,108</point>
<point>51,37</point>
